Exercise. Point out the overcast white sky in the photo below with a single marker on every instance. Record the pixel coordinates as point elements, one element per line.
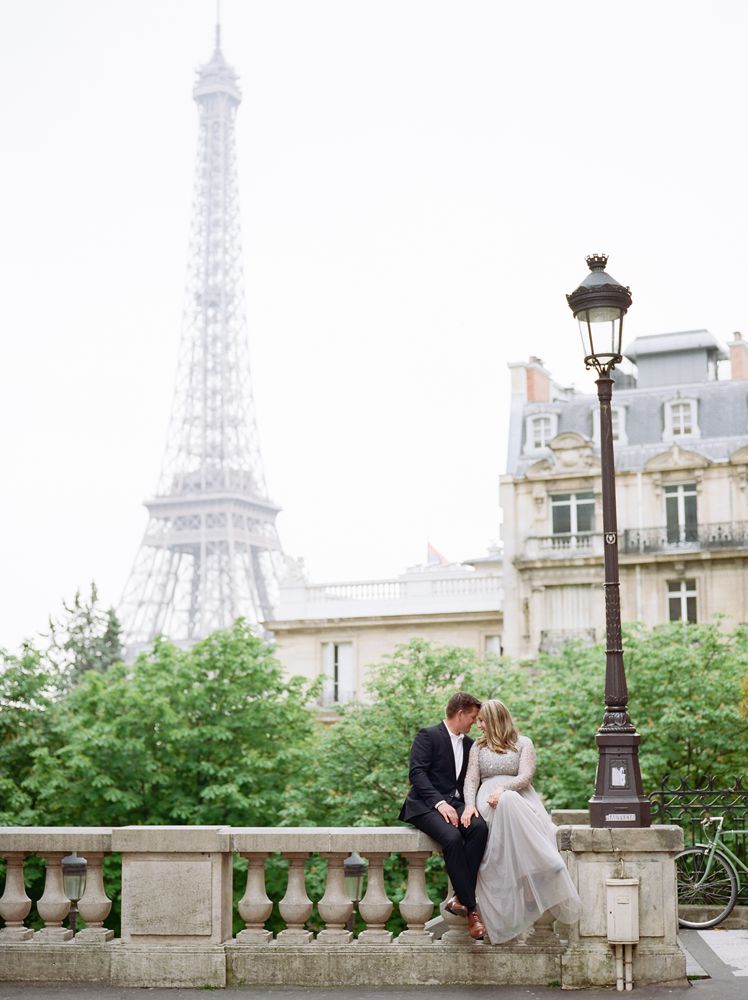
<point>420,182</point>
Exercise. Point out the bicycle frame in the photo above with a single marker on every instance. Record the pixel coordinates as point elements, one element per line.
<point>715,845</point>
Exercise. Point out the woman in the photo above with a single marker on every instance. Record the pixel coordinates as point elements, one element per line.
<point>522,874</point>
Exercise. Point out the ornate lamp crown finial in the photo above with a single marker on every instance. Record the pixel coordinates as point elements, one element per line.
<point>597,261</point>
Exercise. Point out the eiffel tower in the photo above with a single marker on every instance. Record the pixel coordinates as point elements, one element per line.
<point>210,552</point>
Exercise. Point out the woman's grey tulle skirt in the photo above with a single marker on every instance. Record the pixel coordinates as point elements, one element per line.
<point>522,874</point>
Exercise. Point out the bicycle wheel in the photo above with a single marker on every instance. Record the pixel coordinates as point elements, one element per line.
<point>717,889</point>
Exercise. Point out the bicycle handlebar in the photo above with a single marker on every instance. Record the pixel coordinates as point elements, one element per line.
<point>713,819</point>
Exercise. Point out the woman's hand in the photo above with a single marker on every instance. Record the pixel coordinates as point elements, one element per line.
<point>467,815</point>
<point>493,798</point>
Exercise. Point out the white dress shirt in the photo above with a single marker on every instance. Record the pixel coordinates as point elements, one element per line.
<point>457,750</point>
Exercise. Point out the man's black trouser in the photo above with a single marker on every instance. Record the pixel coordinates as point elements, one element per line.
<point>462,848</point>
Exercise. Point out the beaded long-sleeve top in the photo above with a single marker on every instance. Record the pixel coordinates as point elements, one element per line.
<point>484,763</point>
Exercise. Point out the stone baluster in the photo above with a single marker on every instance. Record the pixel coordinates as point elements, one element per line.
<point>94,905</point>
<point>335,906</point>
<point>456,933</point>
<point>416,907</point>
<point>375,908</point>
<point>296,906</point>
<point>255,906</point>
<point>54,905</point>
<point>14,903</point>
<point>543,932</point>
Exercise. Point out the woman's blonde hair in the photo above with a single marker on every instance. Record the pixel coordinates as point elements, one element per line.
<point>501,733</point>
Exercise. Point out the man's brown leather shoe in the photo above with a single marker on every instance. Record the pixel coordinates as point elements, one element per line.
<point>476,930</point>
<point>456,907</point>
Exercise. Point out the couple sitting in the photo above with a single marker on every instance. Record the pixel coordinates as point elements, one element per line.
<point>476,799</point>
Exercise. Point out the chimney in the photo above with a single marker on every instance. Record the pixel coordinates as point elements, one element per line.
<point>738,357</point>
<point>539,381</point>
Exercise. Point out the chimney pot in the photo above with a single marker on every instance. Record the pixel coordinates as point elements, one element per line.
<point>738,357</point>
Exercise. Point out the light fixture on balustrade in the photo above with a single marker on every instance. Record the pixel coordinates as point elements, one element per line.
<point>74,883</point>
<point>354,871</point>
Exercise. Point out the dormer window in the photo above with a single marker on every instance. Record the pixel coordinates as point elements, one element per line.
<point>681,416</point>
<point>540,428</point>
<point>681,419</point>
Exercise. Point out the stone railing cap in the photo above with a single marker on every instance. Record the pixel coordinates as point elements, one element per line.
<point>49,839</point>
<point>171,839</point>
<point>318,839</point>
<point>614,839</point>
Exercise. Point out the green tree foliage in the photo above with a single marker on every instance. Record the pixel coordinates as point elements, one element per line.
<point>209,735</point>
<point>684,694</point>
<point>684,690</point>
<point>27,692</point>
<point>687,681</point>
<point>744,698</point>
<point>85,637</point>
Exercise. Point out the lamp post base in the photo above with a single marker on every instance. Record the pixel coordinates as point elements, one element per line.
<point>618,800</point>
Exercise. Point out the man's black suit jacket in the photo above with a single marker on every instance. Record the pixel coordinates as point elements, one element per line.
<point>432,771</point>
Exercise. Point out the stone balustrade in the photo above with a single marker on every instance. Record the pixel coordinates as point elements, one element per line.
<point>177,912</point>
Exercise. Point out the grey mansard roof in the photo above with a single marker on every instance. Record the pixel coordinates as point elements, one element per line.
<point>669,366</point>
<point>722,417</point>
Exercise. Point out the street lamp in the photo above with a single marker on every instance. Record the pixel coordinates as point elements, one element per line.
<point>599,304</point>
<point>354,869</point>
<point>74,884</point>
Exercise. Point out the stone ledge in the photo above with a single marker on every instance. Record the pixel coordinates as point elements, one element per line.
<point>171,839</point>
<point>582,965</point>
<point>199,967</point>
<point>362,965</point>
<point>55,839</point>
<point>606,840</point>
<point>738,919</point>
<point>69,962</point>
<point>571,817</point>
<point>320,839</point>
<point>585,965</point>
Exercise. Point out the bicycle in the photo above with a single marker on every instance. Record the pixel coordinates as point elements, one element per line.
<point>708,875</point>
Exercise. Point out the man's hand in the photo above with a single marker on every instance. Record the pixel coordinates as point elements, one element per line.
<point>448,813</point>
<point>468,815</point>
<point>493,798</point>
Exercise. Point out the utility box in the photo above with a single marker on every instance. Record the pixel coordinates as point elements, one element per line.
<point>623,910</point>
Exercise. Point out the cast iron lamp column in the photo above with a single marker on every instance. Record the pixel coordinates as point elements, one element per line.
<point>600,304</point>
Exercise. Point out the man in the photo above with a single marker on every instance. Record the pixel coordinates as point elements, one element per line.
<point>438,763</point>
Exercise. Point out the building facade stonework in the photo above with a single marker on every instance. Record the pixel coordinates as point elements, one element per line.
<point>340,632</point>
<point>681,452</point>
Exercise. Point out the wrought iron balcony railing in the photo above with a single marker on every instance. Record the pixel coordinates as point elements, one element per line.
<point>721,535</point>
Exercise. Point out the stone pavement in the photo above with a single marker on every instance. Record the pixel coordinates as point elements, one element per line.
<point>718,963</point>
<point>731,947</point>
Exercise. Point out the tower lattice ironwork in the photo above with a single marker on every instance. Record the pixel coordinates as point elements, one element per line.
<point>211,551</point>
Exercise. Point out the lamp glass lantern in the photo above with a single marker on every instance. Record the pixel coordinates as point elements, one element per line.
<point>354,870</point>
<point>74,877</point>
<point>599,305</point>
<point>73,884</point>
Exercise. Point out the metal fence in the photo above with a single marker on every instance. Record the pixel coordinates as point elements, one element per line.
<point>687,807</point>
<point>693,537</point>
